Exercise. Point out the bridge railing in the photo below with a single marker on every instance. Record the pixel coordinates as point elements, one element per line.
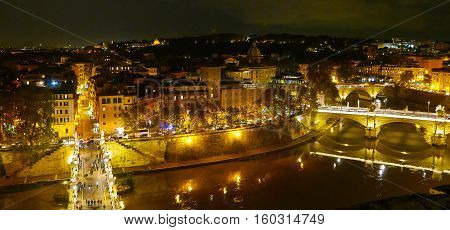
<point>418,114</point>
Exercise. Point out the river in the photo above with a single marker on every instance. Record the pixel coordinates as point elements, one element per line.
<point>339,170</point>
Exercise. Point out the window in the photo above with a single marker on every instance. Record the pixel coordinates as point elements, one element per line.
<point>108,101</point>
<point>104,116</point>
<point>67,131</point>
<point>103,101</point>
<point>114,100</point>
<point>67,111</point>
<point>120,100</point>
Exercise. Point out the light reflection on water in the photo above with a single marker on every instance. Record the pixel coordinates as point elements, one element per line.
<point>298,179</point>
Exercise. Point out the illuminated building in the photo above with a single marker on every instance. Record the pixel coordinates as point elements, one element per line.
<point>236,95</point>
<point>212,77</point>
<point>181,95</point>
<point>368,69</point>
<point>395,72</point>
<point>440,80</point>
<point>260,75</point>
<point>111,106</point>
<point>64,114</point>
<point>430,63</point>
<point>84,71</point>
<point>152,71</point>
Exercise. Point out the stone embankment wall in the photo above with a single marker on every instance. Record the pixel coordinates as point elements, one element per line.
<point>196,146</point>
<point>416,98</point>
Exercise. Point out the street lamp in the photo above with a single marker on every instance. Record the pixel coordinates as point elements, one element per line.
<point>428,107</point>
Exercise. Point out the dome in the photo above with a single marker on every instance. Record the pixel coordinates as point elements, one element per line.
<point>254,54</point>
<point>156,42</point>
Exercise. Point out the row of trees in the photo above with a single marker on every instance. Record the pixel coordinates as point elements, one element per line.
<point>26,115</point>
<point>274,106</point>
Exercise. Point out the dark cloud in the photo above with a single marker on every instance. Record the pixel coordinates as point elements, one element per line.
<point>102,20</point>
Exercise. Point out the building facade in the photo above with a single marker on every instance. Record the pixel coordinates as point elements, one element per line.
<point>110,109</point>
<point>238,97</point>
<point>395,72</point>
<point>260,75</point>
<point>64,115</point>
<point>440,80</point>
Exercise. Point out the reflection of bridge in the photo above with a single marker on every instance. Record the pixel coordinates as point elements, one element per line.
<point>435,128</point>
<point>433,160</point>
<point>371,89</point>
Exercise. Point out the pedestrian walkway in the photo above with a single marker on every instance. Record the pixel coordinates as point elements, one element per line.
<point>92,184</point>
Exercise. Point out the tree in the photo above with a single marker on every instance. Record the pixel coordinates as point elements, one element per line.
<point>406,77</point>
<point>33,108</point>
<point>132,120</point>
<point>427,79</point>
<point>345,72</point>
<point>320,83</point>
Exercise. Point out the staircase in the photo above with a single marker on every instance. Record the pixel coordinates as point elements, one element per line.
<point>123,156</point>
<point>54,162</point>
<point>133,148</point>
<point>147,148</point>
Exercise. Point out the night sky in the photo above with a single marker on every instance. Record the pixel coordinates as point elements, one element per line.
<point>105,20</point>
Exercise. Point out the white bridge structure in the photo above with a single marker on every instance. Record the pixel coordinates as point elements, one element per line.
<point>433,127</point>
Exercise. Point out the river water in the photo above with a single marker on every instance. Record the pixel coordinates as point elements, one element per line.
<point>302,178</point>
<point>339,170</point>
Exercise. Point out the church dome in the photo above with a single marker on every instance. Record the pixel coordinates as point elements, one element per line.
<point>254,54</point>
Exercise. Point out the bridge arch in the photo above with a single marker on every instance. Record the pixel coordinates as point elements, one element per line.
<point>371,90</point>
<point>435,130</point>
<point>428,131</point>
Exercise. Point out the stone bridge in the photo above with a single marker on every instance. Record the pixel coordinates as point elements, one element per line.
<point>371,89</point>
<point>435,129</point>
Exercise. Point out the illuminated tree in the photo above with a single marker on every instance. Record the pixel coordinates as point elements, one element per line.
<point>33,117</point>
<point>132,119</point>
<point>406,77</point>
<point>320,83</point>
<point>427,79</point>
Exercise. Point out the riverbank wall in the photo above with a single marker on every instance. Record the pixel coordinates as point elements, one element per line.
<point>216,147</point>
<point>197,146</point>
<point>418,99</point>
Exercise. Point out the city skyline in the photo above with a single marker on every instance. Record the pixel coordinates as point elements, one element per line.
<point>32,24</point>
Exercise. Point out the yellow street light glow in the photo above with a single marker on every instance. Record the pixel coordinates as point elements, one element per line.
<point>237,134</point>
<point>188,140</point>
<point>69,160</point>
